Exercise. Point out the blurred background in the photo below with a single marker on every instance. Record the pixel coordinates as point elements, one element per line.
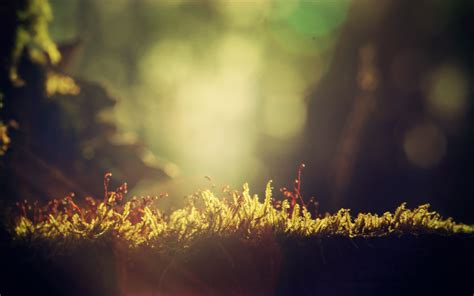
<point>375,97</point>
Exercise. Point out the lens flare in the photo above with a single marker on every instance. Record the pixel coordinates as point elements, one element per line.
<point>425,145</point>
<point>447,95</point>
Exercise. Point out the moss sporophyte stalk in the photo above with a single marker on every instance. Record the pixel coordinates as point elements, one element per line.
<point>138,222</point>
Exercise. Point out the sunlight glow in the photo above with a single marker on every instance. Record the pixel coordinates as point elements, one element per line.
<point>210,88</point>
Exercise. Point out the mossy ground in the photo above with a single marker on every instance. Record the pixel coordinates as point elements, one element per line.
<point>235,244</point>
<point>139,223</point>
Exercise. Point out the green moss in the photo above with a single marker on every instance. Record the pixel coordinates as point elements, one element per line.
<point>139,222</point>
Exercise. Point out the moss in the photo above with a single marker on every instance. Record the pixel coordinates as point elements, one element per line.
<point>139,223</point>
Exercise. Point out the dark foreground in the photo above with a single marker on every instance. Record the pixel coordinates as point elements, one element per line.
<point>407,265</point>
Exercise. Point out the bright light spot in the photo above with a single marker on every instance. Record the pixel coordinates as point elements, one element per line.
<point>167,64</point>
<point>211,99</point>
<point>447,94</point>
<point>284,117</point>
<point>284,80</point>
<point>235,52</point>
<point>243,13</point>
<point>216,80</point>
<point>284,112</point>
<point>425,145</point>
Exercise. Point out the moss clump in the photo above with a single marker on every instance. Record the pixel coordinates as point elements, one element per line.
<point>138,222</point>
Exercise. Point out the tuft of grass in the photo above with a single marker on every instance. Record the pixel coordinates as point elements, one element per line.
<point>138,222</point>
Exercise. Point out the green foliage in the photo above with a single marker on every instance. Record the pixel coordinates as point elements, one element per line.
<point>32,32</point>
<point>138,222</point>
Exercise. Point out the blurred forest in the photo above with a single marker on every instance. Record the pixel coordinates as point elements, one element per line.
<point>374,96</point>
